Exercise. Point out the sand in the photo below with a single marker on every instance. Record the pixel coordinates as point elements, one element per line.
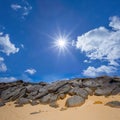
<point>88,111</point>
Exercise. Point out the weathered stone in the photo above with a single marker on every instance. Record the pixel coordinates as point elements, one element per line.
<point>55,86</point>
<point>54,104</point>
<point>75,101</point>
<point>115,104</point>
<point>91,83</point>
<point>45,99</point>
<point>89,90</point>
<point>79,91</point>
<point>116,91</point>
<point>22,101</point>
<point>106,90</point>
<point>65,89</point>
<point>33,88</point>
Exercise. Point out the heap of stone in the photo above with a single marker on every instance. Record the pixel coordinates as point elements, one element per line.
<point>34,93</point>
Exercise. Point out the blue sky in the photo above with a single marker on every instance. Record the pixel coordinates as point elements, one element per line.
<point>29,29</point>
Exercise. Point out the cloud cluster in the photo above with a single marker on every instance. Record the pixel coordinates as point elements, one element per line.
<point>6,47</point>
<point>31,71</point>
<point>102,44</point>
<point>24,8</point>
<point>103,69</point>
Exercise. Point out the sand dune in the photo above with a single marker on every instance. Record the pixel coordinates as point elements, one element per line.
<point>88,111</point>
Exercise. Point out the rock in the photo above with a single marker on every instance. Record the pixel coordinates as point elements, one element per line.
<point>2,103</point>
<point>91,83</point>
<point>22,101</point>
<point>45,99</point>
<point>76,83</point>
<point>106,90</point>
<point>79,91</point>
<point>19,93</point>
<point>53,104</point>
<point>116,91</point>
<point>42,93</point>
<point>89,90</point>
<point>65,89</point>
<point>33,88</point>
<point>53,97</point>
<point>115,104</point>
<point>13,93</point>
<point>75,101</point>
<point>55,86</point>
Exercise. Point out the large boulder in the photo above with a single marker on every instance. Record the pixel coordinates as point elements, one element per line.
<point>75,101</point>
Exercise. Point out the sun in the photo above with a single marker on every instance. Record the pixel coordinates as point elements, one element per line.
<point>61,43</point>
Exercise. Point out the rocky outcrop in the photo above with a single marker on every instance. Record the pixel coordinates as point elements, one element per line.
<point>48,93</point>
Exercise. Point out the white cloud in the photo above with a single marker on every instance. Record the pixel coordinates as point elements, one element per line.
<point>115,22</point>
<point>31,71</point>
<point>102,44</point>
<point>6,46</point>
<point>16,6</point>
<point>93,72</point>
<point>24,8</point>
<point>3,67</point>
<point>7,79</point>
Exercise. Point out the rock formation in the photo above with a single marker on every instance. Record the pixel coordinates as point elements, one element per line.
<point>79,88</point>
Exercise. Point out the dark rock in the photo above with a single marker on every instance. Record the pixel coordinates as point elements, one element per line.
<point>76,83</point>
<point>106,90</point>
<point>42,92</point>
<point>2,103</point>
<point>79,91</point>
<point>65,89</point>
<point>53,104</point>
<point>115,104</point>
<point>53,97</point>
<point>13,93</point>
<point>116,91</point>
<point>45,99</point>
<point>22,101</point>
<point>55,86</point>
<point>89,90</point>
<point>75,101</point>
